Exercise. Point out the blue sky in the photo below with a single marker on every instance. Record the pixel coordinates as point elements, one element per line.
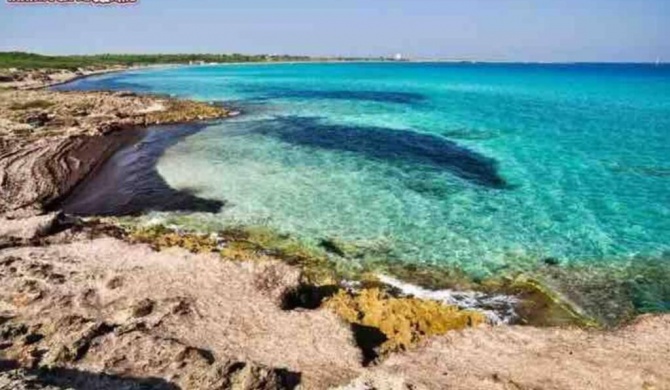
<point>508,30</point>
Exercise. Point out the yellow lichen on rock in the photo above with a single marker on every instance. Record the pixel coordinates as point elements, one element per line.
<point>161,238</point>
<point>404,321</point>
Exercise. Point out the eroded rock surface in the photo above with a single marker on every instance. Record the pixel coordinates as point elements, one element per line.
<point>104,306</point>
<point>76,309</point>
<point>516,357</point>
<point>50,141</point>
<point>40,78</point>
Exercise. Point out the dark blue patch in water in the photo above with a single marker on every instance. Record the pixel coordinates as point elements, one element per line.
<point>269,93</point>
<point>387,144</point>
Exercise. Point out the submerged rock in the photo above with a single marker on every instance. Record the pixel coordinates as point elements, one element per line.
<point>541,305</point>
<point>341,248</point>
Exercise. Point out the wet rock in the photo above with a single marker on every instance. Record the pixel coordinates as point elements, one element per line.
<point>340,248</point>
<point>542,306</point>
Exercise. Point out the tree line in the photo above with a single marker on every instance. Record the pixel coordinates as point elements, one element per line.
<point>22,60</point>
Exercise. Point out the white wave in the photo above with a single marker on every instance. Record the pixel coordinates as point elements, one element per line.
<point>498,308</point>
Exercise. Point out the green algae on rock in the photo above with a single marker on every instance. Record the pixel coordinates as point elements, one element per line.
<point>539,304</point>
<point>612,295</point>
<point>543,306</point>
<point>159,237</point>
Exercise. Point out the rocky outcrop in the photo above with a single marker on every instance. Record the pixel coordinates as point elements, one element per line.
<point>118,311</point>
<point>34,174</point>
<point>39,78</point>
<point>524,357</point>
<point>79,309</point>
<point>228,375</point>
<point>400,322</point>
<point>50,141</point>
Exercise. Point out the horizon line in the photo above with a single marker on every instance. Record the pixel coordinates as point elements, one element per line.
<point>342,58</point>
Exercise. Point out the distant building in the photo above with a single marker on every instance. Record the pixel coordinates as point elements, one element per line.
<point>398,57</point>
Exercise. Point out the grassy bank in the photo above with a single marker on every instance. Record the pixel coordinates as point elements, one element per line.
<point>21,60</point>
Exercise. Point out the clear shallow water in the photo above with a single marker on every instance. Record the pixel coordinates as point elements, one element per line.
<point>484,167</point>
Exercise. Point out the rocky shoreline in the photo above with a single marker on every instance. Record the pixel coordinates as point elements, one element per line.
<point>50,141</point>
<point>91,304</point>
<point>42,78</point>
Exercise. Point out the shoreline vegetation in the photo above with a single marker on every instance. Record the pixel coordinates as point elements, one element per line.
<point>74,300</point>
<point>27,61</point>
<point>31,61</point>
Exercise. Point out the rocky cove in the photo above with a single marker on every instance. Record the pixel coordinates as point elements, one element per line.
<point>103,304</point>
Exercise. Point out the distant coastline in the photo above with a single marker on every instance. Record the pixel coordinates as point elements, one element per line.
<point>22,60</point>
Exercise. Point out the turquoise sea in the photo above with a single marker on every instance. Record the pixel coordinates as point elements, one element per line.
<point>488,168</point>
